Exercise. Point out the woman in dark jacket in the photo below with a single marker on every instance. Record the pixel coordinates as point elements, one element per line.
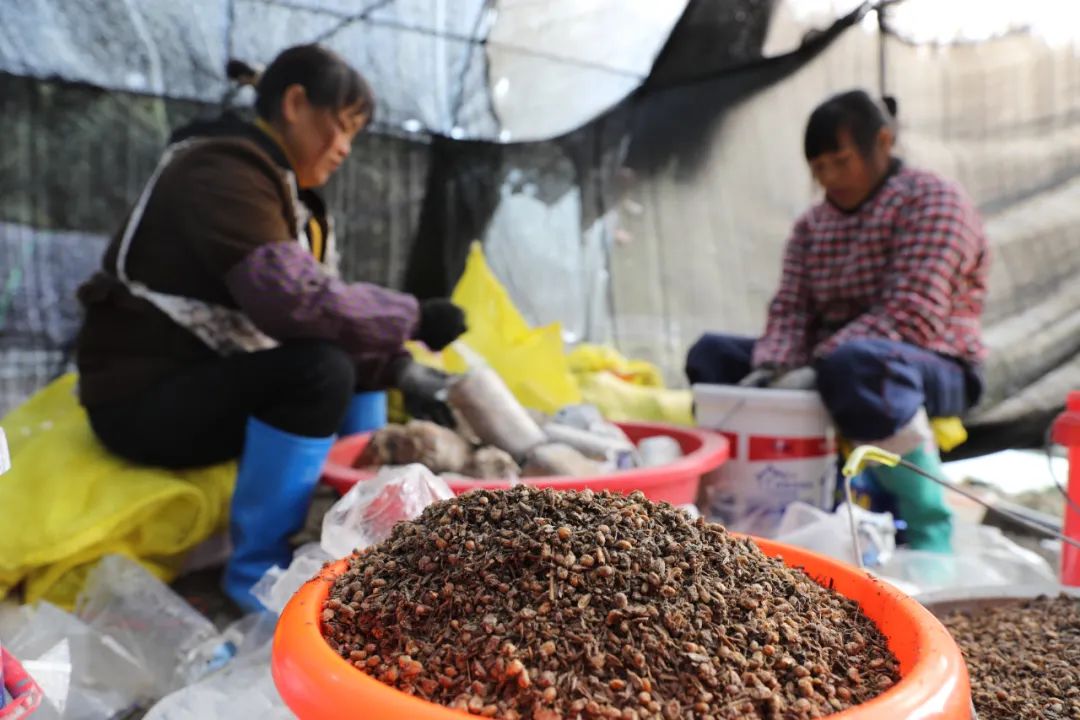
<point>219,327</point>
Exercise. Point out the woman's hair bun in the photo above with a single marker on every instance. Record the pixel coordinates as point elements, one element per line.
<point>891,105</point>
<point>241,72</point>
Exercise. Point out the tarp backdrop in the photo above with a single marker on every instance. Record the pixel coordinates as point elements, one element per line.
<point>631,167</point>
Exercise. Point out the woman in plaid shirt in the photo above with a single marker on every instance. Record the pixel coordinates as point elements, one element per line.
<point>878,307</point>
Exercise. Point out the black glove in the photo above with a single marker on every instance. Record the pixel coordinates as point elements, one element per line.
<point>424,390</point>
<point>441,323</point>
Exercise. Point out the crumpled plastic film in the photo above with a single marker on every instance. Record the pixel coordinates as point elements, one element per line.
<point>171,641</point>
<point>105,678</point>
<point>52,673</point>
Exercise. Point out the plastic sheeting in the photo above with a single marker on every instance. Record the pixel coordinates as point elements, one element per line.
<point>706,228</point>
<point>174,49</point>
<point>497,70</point>
<point>39,273</point>
<point>606,49</point>
<point>423,58</point>
<point>694,241</point>
<point>545,213</point>
<point>77,158</point>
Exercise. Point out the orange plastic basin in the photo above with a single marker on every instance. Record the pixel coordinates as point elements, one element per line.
<point>676,483</point>
<point>316,683</point>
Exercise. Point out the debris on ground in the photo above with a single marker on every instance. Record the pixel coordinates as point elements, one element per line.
<point>171,642</point>
<point>131,640</point>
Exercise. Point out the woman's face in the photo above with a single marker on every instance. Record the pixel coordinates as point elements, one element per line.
<point>847,175</point>
<point>317,140</point>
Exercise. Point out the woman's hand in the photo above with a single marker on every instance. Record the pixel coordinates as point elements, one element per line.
<point>803,378</point>
<point>777,378</point>
<point>762,377</point>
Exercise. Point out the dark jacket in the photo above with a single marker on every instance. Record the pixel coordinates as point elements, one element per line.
<point>221,227</point>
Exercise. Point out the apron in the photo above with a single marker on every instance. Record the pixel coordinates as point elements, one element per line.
<point>226,331</point>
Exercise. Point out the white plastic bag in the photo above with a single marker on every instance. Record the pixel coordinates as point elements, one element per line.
<point>614,445</point>
<point>365,515</point>
<point>812,528</point>
<point>659,450</point>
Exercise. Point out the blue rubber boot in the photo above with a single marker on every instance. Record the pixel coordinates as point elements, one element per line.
<point>278,472</point>
<point>366,413</point>
<point>920,502</point>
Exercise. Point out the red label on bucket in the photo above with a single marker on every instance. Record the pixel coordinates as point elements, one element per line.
<point>764,447</point>
<point>733,444</point>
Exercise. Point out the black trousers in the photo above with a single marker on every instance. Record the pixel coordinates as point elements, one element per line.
<point>198,417</point>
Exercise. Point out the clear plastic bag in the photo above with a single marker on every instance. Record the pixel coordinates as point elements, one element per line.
<point>982,557</point>
<point>365,515</point>
<point>171,642</point>
<point>105,679</point>
<point>244,688</point>
<point>52,673</point>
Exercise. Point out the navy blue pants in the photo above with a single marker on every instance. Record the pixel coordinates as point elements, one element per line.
<point>871,387</point>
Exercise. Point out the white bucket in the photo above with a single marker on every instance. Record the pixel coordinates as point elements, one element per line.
<point>783,449</point>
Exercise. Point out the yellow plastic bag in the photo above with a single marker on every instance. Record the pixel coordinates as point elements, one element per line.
<point>621,401</point>
<point>586,359</point>
<point>531,361</point>
<point>534,364</point>
<point>66,502</point>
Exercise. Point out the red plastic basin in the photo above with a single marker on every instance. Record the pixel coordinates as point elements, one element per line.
<point>677,483</point>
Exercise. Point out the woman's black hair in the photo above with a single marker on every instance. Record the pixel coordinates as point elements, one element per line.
<point>328,80</point>
<point>854,111</point>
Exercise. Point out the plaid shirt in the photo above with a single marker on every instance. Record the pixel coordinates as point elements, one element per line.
<point>909,265</point>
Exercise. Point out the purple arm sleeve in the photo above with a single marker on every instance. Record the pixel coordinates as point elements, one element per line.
<point>289,295</point>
